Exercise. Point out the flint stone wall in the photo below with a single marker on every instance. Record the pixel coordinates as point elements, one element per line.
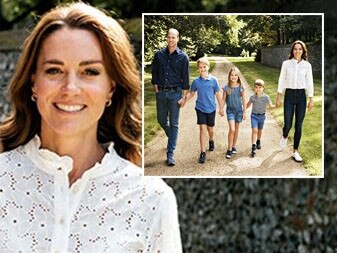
<point>274,56</point>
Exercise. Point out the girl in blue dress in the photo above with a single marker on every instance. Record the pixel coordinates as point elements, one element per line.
<point>234,97</point>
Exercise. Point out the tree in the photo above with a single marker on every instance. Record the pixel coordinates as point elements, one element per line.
<point>283,29</point>
<point>199,34</point>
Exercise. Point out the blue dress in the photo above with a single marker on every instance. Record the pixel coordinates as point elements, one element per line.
<point>234,103</point>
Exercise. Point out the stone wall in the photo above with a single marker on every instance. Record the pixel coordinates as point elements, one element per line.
<point>10,50</point>
<point>274,56</point>
<point>8,61</point>
<point>257,215</point>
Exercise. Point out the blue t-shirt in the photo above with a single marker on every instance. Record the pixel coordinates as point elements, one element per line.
<point>233,98</point>
<point>206,93</point>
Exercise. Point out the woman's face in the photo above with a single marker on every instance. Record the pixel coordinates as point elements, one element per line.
<point>298,51</point>
<point>71,83</point>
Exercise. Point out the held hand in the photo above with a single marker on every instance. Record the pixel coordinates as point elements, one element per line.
<point>278,102</point>
<point>181,102</point>
<point>221,113</point>
<point>155,88</point>
<point>310,104</point>
<point>244,115</point>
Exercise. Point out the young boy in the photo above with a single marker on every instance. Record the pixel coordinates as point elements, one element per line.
<point>259,100</point>
<point>208,88</point>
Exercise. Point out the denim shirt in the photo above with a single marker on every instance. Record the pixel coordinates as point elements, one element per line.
<point>171,69</point>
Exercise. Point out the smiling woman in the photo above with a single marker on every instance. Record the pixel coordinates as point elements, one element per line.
<point>68,175</point>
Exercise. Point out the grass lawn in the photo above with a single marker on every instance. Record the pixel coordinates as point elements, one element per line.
<point>151,126</point>
<point>311,141</point>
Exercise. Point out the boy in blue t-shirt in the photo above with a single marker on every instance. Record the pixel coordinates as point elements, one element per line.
<point>208,88</point>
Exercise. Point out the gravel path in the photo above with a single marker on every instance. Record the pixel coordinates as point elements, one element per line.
<point>270,161</point>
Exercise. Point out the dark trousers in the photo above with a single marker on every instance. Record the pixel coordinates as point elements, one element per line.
<point>168,116</point>
<point>295,102</point>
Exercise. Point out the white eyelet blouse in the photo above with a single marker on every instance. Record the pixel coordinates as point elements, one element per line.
<point>296,75</point>
<point>112,208</point>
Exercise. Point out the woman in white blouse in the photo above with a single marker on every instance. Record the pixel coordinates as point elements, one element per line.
<point>297,81</point>
<point>68,175</point>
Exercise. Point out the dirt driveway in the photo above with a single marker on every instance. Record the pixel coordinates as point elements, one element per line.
<point>270,161</point>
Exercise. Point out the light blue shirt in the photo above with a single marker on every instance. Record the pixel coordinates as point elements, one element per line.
<point>206,89</point>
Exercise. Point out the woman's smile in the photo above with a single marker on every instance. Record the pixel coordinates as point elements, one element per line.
<point>69,107</point>
<point>71,83</point>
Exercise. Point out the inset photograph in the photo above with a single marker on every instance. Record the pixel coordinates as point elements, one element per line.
<point>233,95</point>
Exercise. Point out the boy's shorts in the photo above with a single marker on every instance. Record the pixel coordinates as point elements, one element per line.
<point>205,118</point>
<point>234,115</point>
<point>257,120</point>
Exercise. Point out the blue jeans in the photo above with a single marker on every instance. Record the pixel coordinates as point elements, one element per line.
<point>168,116</point>
<point>295,102</point>
<point>257,120</point>
<point>233,114</point>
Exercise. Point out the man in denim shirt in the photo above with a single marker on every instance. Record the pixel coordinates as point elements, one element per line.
<point>170,79</point>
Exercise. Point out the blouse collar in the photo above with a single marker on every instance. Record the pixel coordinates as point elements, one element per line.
<point>296,61</point>
<point>51,163</point>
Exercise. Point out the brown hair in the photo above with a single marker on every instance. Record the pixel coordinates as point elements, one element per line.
<point>120,122</point>
<point>304,48</point>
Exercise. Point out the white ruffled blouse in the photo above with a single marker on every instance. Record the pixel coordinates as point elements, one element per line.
<point>112,208</point>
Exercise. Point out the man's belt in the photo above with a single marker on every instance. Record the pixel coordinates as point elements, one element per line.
<point>168,88</point>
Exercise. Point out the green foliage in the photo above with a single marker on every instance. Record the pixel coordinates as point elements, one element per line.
<point>154,35</point>
<point>12,8</point>
<point>267,30</point>
<point>199,34</point>
<point>133,26</point>
<point>229,34</point>
<point>235,26</point>
<point>188,45</point>
<point>258,31</point>
<point>214,5</point>
<point>151,125</point>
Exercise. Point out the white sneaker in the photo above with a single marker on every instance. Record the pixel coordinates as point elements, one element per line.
<point>297,157</point>
<point>283,142</point>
